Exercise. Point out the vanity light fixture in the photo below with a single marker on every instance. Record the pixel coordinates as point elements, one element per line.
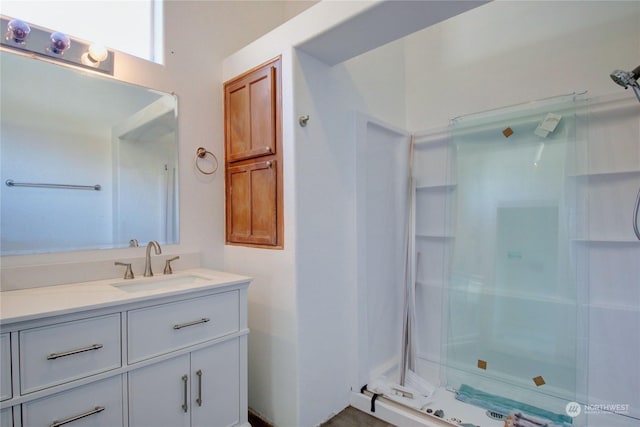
<point>53,45</point>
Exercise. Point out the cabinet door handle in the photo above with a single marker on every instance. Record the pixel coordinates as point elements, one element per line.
<point>53,356</point>
<point>93,411</point>
<point>199,399</point>
<point>195,322</point>
<point>185,406</point>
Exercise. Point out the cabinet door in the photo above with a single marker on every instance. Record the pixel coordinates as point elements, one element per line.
<point>215,385</point>
<point>251,114</point>
<point>158,394</point>
<point>5,367</point>
<point>252,203</point>
<point>6,417</point>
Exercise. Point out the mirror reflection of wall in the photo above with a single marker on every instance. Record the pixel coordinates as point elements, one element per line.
<point>62,125</point>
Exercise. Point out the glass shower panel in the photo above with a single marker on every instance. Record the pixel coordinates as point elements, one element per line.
<point>511,324</point>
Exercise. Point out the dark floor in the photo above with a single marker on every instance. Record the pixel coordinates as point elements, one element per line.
<point>349,417</point>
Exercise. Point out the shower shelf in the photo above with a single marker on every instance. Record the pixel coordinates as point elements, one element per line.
<point>615,307</point>
<point>513,295</point>
<point>436,187</point>
<point>434,236</point>
<point>607,241</point>
<point>604,174</point>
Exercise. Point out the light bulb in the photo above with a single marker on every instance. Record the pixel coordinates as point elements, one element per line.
<point>94,56</point>
<point>98,53</point>
<point>58,43</point>
<point>18,31</point>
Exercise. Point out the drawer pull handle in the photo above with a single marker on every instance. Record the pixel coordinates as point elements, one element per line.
<point>53,356</point>
<point>199,399</point>
<point>185,407</point>
<point>195,322</point>
<point>94,411</point>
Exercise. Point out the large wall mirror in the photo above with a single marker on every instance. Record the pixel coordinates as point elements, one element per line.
<point>88,162</point>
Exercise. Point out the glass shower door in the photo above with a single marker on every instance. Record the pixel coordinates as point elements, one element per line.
<point>511,295</point>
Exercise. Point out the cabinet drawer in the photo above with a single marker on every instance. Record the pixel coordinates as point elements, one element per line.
<point>5,367</point>
<point>97,404</point>
<point>157,330</point>
<point>64,352</point>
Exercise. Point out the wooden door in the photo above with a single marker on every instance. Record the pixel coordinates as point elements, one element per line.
<point>250,105</point>
<point>252,203</point>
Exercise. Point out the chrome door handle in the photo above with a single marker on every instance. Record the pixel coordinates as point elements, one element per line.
<point>185,406</point>
<point>199,399</point>
<point>53,356</point>
<point>195,322</point>
<point>95,410</point>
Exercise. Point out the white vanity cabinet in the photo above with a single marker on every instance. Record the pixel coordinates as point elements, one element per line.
<point>146,358</point>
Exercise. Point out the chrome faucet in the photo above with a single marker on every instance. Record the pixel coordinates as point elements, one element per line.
<point>147,263</point>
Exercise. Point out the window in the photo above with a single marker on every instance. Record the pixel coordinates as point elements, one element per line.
<point>133,27</point>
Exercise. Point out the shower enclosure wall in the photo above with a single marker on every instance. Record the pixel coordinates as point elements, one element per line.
<point>528,271</point>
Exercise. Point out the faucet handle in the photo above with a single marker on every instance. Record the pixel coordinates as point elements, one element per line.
<point>127,274</point>
<point>167,265</point>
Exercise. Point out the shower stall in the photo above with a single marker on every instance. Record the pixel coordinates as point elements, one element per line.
<point>527,268</point>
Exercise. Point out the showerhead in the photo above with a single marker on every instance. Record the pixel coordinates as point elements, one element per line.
<point>628,78</point>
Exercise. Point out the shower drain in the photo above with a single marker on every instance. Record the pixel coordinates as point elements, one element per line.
<point>495,415</point>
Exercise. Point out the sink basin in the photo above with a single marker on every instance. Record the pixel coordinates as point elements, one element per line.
<point>160,282</point>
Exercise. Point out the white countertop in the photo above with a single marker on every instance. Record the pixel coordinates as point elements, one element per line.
<point>33,303</point>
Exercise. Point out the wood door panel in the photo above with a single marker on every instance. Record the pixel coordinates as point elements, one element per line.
<point>252,202</point>
<point>251,112</point>
<point>239,127</point>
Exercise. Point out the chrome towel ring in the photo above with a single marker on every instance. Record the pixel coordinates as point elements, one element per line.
<point>201,153</point>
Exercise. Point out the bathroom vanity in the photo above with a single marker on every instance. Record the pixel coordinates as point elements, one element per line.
<point>156,351</point>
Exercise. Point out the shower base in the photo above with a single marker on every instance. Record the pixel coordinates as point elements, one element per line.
<point>400,415</point>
